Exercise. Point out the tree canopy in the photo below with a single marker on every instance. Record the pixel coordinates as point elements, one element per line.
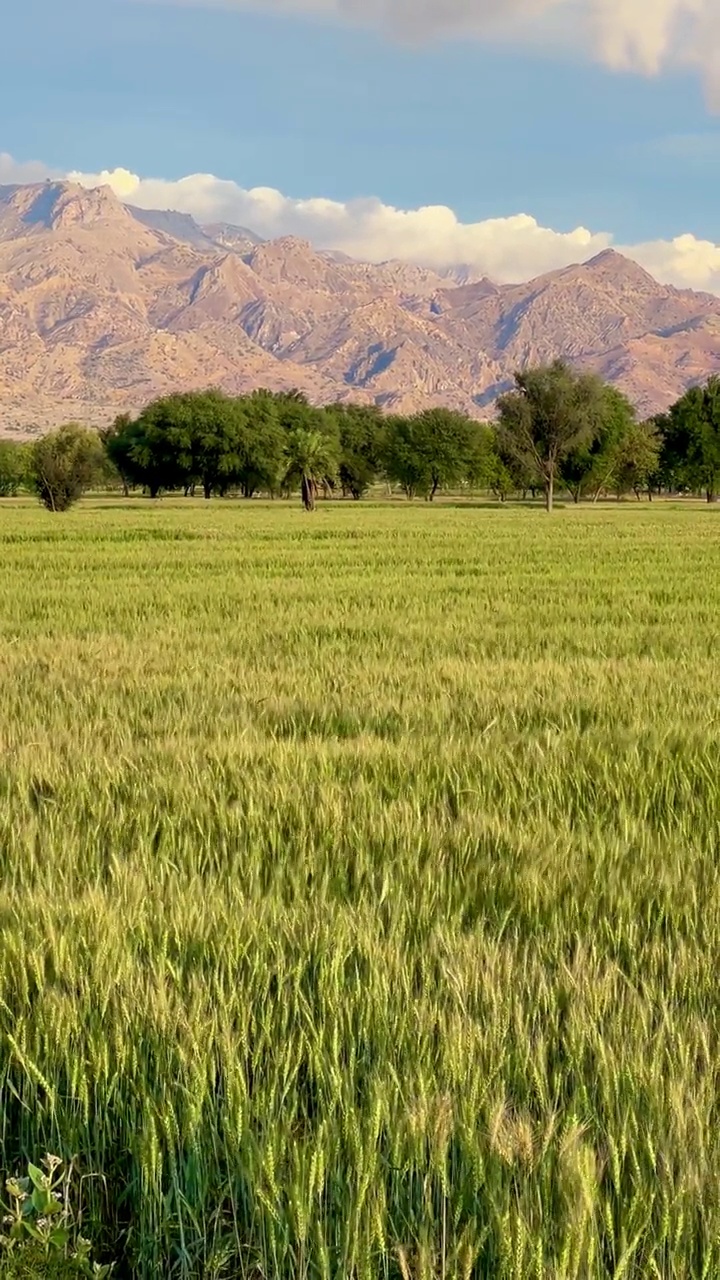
<point>691,439</point>
<point>552,411</point>
<point>436,449</point>
<point>557,428</point>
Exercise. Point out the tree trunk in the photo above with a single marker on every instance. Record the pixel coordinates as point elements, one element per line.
<point>308,493</point>
<point>435,486</point>
<point>207,491</point>
<point>550,493</point>
<point>576,496</point>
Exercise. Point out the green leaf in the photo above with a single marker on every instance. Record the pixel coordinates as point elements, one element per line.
<point>42,1201</point>
<point>39,1179</point>
<point>59,1237</point>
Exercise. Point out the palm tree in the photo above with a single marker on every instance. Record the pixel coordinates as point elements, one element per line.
<point>311,460</point>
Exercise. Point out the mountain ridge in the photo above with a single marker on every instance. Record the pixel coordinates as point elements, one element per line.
<point>103,306</point>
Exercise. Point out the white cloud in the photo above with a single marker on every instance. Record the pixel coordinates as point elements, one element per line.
<point>685,261</point>
<point>645,36</point>
<point>16,171</point>
<point>514,248</point>
<point>506,248</point>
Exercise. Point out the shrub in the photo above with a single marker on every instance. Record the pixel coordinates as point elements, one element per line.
<point>65,464</point>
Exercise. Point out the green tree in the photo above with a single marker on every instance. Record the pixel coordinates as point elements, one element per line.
<point>693,437</point>
<point>512,475</point>
<point>177,441</point>
<point>435,449</point>
<point>448,442</point>
<point>214,424</point>
<point>65,464</point>
<point>637,460</point>
<point>291,408</point>
<point>14,467</point>
<point>260,444</point>
<point>403,463</point>
<point>158,445</point>
<point>501,480</point>
<point>483,466</point>
<point>361,432</point>
<point>590,466</point>
<point>671,471</point>
<point>117,442</point>
<point>552,410</point>
<point>311,460</point>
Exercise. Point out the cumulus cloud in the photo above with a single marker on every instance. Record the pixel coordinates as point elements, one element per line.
<point>507,249</point>
<point>510,249</point>
<point>645,36</point>
<point>685,261</point>
<point>515,247</point>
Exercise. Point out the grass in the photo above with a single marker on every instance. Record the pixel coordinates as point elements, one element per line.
<point>359,903</point>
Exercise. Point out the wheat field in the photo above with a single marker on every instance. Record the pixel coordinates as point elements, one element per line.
<point>359,906</point>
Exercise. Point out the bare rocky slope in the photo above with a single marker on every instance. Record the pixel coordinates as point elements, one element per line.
<point>103,307</point>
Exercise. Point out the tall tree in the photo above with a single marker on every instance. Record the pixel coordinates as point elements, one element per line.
<point>448,443</point>
<point>261,444</point>
<point>552,410</point>
<point>591,466</point>
<point>161,445</point>
<point>484,468</point>
<point>694,436</point>
<point>214,424</point>
<point>403,463</point>
<point>362,437</point>
<point>117,443</point>
<point>637,458</point>
<point>127,451</point>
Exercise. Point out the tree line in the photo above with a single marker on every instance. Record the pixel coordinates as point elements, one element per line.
<point>557,429</point>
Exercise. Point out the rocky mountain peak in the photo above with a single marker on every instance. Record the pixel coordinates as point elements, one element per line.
<point>55,206</point>
<point>613,268</point>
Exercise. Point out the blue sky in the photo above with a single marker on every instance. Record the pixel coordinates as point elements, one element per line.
<point>317,107</point>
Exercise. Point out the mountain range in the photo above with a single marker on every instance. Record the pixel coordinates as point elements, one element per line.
<point>103,307</point>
